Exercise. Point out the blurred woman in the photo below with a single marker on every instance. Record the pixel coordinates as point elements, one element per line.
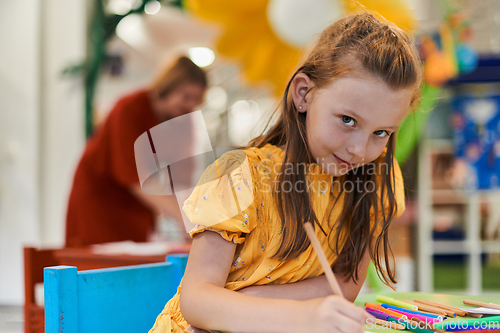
<point>106,203</point>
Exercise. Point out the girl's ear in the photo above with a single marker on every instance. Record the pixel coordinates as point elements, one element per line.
<point>301,84</point>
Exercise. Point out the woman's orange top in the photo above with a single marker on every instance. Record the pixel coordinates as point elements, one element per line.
<point>101,208</point>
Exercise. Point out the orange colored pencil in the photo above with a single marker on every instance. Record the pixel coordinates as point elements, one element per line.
<point>428,308</point>
<point>449,307</point>
<point>474,315</point>
<point>389,312</point>
<point>481,304</point>
<point>444,306</point>
<point>449,313</point>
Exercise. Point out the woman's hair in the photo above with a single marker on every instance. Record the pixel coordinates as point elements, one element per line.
<point>178,72</point>
<point>353,45</point>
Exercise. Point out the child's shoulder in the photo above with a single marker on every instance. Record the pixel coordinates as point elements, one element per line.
<point>268,153</point>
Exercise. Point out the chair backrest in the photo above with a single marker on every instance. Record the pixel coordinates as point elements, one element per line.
<point>122,299</point>
<point>34,261</point>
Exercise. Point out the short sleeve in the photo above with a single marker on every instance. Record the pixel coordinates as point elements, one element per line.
<point>223,200</point>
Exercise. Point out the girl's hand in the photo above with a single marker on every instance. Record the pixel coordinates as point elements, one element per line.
<point>332,314</point>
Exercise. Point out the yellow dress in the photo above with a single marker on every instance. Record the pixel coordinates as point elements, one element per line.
<point>253,223</point>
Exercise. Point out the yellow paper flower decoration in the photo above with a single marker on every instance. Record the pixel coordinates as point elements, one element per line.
<point>395,11</point>
<point>248,36</point>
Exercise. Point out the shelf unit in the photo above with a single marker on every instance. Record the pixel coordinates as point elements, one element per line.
<point>428,198</point>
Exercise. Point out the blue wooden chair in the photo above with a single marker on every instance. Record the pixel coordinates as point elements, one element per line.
<point>123,299</point>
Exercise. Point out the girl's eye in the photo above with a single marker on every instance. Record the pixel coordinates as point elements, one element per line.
<point>347,120</point>
<point>381,134</point>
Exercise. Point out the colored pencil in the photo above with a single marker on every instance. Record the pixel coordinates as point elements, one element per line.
<point>430,315</point>
<point>484,305</point>
<point>322,259</point>
<point>426,325</point>
<point>428,308</point>
<point>392,301</point>
<point>409,314</point>
<point>391,324</point>
<point>377,314</point>
<point>421,318</point>
<point>450,312</point>
<point>382,313</point>
<point>476,331</point>
<point>467,323</point>
<point>444,306</point>
<point>475,315</point>
<point>384,310</point>
<point>447,313</point>
<point>411,326</point>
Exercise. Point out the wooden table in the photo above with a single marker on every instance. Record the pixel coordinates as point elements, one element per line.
<point>87,258</point>
<point>452,300</point>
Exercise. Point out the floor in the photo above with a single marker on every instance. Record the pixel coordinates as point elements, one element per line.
<point>11,319</point>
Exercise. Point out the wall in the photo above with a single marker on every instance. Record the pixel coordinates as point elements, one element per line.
<point>62,111</point>
<point>19,117</point>
<point>41,129</point>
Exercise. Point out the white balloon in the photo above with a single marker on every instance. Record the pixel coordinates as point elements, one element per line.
<point>298,21</point>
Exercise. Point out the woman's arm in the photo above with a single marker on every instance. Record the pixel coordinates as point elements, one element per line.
<point>206,304</point>
<point>161,204</point>
<point>313,287</point>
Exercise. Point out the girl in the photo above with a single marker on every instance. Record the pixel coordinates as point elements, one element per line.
<point>328,160</point>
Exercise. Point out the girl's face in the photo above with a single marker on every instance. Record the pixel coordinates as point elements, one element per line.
<point>349,122</point>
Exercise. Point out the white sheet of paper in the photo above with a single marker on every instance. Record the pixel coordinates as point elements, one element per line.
<point>483,311</point>
<point>132,248</point>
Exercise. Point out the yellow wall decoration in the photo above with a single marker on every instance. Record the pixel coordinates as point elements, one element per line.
<point>395,11</point>
<point>247,36</point>
<point>266,58</point>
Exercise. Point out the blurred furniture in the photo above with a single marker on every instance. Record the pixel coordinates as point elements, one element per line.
<point>128,299</point>
<point>435,195</point>
<point>34,262</point>
<point>122,299</point>
<point>440,203</point>
<point>83,258</point>
<point>88,258</point>
<point>452,300</point>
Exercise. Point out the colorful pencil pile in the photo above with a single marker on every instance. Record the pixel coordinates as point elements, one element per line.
<point>426,316</point>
